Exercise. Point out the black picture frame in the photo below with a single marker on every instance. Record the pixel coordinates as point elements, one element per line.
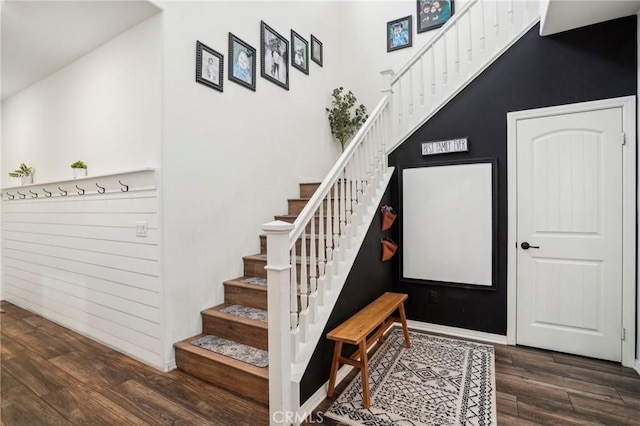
<point>399,33</point>
<point>299,52</point>
<point>274,52</point>
<point>432,14</point>
<point>316,50</point>
<point>242,63</point>
<point>209,66</point>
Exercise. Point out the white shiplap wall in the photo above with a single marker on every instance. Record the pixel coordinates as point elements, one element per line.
<point>76,259</point>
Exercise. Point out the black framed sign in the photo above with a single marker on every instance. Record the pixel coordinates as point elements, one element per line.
<point>448,223</point>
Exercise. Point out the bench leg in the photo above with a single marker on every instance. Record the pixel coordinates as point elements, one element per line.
<point>364,372</point>
<point>403,319</point>
<point>337,351</point>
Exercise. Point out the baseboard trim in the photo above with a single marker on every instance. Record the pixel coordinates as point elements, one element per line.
<point>458,332</point>
<point>637,367</point>
<point>170,366</point>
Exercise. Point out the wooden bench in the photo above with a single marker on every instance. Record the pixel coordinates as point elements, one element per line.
<point>357,331</point>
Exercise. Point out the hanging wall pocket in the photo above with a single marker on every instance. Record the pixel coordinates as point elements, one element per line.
<point>388,217</point>
<point>388,249</point>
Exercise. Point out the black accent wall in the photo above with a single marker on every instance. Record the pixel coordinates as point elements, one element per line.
<point>368,279</point>
<point>595,62</point>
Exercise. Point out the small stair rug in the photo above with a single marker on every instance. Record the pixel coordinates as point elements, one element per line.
<point>438,381</point>
<point>234,350</point>
<point>256,281</point>
<point>246,312</point>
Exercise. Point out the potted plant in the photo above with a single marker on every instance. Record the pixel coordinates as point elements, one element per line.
<point>79,169</point>
<point>344,117</point>
<point>24,172</point>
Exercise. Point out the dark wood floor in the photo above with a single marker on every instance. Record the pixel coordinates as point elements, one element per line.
<point>52,376</point>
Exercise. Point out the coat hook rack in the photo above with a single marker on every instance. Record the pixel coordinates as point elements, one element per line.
<point>80,190</point>
<point>62,192</point>
<point>22,196</point>
<point>11,196</point>
<point>100,189</point>
<point>126,187</point>
<point>46,193</point>
<point>33,194</point>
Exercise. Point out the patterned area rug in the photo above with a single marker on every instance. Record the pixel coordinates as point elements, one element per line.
<point>234,350</point>
<point>438,381</point>
<point>246,312</point>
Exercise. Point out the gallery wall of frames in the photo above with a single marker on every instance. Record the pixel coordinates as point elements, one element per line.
<point>278,52</point>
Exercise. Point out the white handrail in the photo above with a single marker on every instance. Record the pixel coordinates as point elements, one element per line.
<point>444,30</point>
<point>314,202</point>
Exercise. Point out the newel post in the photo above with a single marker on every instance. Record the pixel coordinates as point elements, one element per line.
<point>278,296</point>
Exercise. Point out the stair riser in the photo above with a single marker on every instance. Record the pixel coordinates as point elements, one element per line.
<point>236,331</point>
<point>308,189</point>
<point>255,268</point>
<point>245,297</point>
<point>296,206</point>
<point>224,376</point>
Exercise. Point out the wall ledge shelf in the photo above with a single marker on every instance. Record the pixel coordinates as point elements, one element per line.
<point>120,182</point>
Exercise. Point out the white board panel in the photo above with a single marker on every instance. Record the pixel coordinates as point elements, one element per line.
<point>447,223</point>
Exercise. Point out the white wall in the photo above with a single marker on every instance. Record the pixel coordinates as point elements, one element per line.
<point>104,109</point>
<point>76,260</point>
<point>231,159</point>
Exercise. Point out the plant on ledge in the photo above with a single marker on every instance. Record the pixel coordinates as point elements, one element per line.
<point>79,165</point>
<point>22,171</point>
<point>344,118</point>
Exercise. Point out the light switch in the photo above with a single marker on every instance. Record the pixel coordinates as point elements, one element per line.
<point>142,229</point>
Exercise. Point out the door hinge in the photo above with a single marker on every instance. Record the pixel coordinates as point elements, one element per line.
<point>624,333</point>
<point>623,138</point>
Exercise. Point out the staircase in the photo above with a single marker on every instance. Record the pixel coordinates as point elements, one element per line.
<point>242,318</point>
<point>309,260</point>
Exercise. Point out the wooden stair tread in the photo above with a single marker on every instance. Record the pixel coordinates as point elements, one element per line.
<point>238,282</point>
<point>215,312</point>
<point>185,345</point>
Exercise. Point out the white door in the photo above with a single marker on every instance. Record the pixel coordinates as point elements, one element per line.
<point>569,211</point>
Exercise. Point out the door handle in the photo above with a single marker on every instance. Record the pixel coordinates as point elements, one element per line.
<point>527,246</point>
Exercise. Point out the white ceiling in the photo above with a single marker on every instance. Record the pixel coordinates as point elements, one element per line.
<point>564,15</point>
<point>41,37</point>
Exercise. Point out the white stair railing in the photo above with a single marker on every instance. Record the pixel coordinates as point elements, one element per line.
<point>464,47</point>
<point>305,266</point>
<point>307,261</point>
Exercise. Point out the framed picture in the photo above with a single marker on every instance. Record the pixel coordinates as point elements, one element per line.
<point>316,50</point>
<point>399,33</point>
<point>299,52</point>
<point>433,13</point>
<point>275,56</point>
<point>209,66</point>
<point>242,63</point>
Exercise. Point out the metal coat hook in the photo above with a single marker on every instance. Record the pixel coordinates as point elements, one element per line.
<point>80,190</point>
<point>46,193</point>
<point>34,194</point>
<point>126,187</point>
<point>11,196</point>
<point>62,192</point>
<point>22,196</point>
<point>100,189</point>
